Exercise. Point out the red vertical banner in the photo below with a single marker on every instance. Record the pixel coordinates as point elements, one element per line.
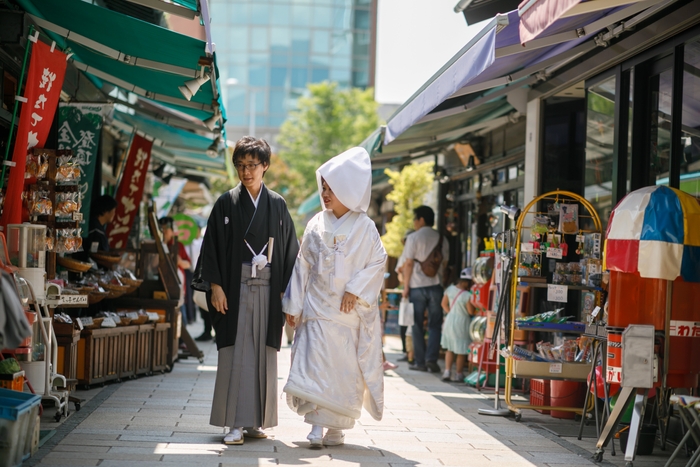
<point>47,68</point>
<point>130,191</point>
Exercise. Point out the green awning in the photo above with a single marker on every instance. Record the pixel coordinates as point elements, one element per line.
<point>179,147</point>
<point>134,55</point>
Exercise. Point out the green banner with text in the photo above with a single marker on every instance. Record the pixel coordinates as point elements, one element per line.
<point>79,129</point>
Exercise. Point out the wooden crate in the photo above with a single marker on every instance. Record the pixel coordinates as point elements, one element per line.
<point>67,338</point>
<point>127,363</point>
<point>160,347</point>
<point>144,348</point>
<point>99,355</point>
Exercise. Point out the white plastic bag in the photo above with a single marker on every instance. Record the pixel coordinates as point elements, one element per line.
<point>406,313</point>
<point>200,299</point>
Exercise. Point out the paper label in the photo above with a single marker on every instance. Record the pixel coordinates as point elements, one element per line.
<point>73,300</point>
<point>132,315</point>
<point>614,374</point>
<point>580,238</point>
<point>684,328</point>
<point>557,293</point>
<point>77,216</point>
<point>152,316</point>
<point>555,253</point>
<point>555,368</point>
<point>83,322</point>
<point>595,311</point>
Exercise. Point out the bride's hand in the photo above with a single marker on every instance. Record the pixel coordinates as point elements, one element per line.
<point>291,321</point>
<point>348,303</point>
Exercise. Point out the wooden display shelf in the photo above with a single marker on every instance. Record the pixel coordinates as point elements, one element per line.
<point>99,353</point>
<point>144,348</point>
<point>543,285</point>
<point>128,347</point>
<point>160,355</point>
<point>551,370</point>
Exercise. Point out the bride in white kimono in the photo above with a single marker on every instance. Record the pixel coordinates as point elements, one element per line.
<point>332,301</point>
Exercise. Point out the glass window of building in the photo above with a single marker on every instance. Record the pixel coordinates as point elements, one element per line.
<point>661,87</point>
<point>299,77</point>
<point>362,19</point>
<point>280,15</point>
<point>321,42</point>
<point>690,132</point>
<point>600,137</point>
<point>319,74</point>
<point>259,13</point>
<point>281,39</point>
<point>301,41</point>
<point>323,17</point>
<point>278,76</point>
<point>237,13</point>
<point>301,15</point>
<point>238,39</point>
<point>259,39</point>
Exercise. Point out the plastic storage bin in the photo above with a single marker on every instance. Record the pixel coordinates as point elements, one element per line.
<point>19,414</point>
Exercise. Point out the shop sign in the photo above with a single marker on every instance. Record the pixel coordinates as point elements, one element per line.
<point>684,328</point>
<point>47,68</point>
<point>79,129</point>
<point>130,191</point>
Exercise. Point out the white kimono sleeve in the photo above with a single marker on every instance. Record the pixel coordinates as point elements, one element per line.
<point>367,283</point>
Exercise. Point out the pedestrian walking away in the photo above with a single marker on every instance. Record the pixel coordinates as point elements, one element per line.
<point>332,301</point>
<point>247,258</point>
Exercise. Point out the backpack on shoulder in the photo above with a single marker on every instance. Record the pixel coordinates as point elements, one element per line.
<point>431,265</point>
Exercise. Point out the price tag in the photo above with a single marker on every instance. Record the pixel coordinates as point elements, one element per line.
<point>152,316</point>
<point>73,300</point>
<point>555,253</point>
<point>595,311</point>
<point>132,315</point>
<point>77,216</point>
<point>580,238</point>
<point>527,247</point>
<point>555,368</point>
<point>557,293</point>
<point>84,322</point>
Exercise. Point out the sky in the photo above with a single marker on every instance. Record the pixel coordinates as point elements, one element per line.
<point>415,38</point>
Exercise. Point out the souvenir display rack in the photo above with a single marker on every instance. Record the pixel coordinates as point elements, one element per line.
<point>525,223</point>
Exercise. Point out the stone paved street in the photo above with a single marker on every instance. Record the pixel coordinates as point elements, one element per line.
<point>163,421</point>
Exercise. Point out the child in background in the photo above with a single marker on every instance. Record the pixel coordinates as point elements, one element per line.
<point>455,334</point>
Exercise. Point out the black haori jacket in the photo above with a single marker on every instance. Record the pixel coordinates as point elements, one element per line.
<point>224,251</point>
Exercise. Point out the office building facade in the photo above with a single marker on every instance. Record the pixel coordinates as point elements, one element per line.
<point>268,51</point>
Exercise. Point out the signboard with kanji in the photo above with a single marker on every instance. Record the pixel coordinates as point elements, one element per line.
<point>130,191</point>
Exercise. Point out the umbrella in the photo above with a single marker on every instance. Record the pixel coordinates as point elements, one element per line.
<point>655,231</point>
<point>186,228</point>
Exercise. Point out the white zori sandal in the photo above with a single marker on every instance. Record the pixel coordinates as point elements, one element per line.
<point>334,437</point>
<point>316,437</point>
<point>235,436</point>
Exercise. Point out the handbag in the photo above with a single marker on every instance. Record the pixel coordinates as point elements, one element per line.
<point>406,317</point>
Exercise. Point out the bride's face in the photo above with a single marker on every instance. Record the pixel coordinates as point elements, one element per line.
<point>329,199</point>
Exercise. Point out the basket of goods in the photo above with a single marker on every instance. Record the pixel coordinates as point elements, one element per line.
<point>105,259</point>
<point>133,284</point>
<point>142,319</point>
<point>96,323</point>
<point>73,265</point>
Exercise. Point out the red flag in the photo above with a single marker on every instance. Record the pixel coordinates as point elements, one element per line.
<point>130,191</point>
<point>42,90</point>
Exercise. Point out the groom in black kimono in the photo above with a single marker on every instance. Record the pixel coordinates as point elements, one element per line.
<point>247,258</point>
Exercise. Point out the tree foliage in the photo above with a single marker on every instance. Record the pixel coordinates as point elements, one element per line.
<point>325,123</point>
<point>409,188</point>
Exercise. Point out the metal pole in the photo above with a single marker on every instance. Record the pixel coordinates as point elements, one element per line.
<point>14,112</point>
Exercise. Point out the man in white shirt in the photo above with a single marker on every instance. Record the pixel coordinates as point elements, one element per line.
<point>423,291</point>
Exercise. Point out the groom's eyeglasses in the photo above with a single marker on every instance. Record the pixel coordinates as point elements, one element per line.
<point>248,167</point>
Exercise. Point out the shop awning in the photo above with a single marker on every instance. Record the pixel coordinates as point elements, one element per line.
<point>134,55</point>
<point>514,66</point>
<point>178,147</point>
<point>537,15</point>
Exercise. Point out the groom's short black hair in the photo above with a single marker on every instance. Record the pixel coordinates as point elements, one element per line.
<point>249,145</point>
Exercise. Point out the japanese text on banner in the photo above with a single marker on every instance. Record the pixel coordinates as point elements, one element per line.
<point>130,191</point>
<point>47,69</point>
